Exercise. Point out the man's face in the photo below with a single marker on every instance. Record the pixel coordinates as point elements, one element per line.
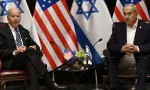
<point>130,16</point>
<point>14,17</point>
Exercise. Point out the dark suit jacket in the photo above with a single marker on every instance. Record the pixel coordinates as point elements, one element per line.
<point>7,44</point>
<point>119,38</point>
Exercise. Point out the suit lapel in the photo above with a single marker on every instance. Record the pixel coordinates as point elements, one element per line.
<point>10,35</point>
<point>124,34</point>
<point>138,31</point>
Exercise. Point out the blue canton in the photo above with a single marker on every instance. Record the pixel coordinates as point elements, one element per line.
<point>44,4</point>
<point>4,4</point>
<point>124,2</point>
<point>87,14</point>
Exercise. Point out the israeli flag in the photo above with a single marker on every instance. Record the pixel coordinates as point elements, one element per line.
<point>92,21</point>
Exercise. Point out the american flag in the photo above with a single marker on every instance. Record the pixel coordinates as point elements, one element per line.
<point>140,5</point>
<point>68,55</point>
<point>54,24</point>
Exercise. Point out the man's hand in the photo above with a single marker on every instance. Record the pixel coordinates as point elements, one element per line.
<point>33,47</point>
<point>129,48</point>
<point>20,49</point>
<point>125,48</point>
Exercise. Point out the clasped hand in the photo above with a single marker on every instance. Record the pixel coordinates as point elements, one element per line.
<point>23,48</point>
<point>129,48</point>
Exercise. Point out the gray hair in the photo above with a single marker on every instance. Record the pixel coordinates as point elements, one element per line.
<point>133,7</point>
<point>11,9</point>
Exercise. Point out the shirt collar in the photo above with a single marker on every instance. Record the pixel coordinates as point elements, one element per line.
<point>12,28</point>
<point>135,25</point>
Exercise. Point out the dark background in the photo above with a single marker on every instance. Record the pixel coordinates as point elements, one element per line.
<point>109,3</point>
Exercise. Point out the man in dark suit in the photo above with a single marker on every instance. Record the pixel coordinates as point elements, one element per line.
<point>129,40</point>
<point>19,51</point>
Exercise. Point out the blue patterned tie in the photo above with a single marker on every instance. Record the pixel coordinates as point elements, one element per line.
<point>18,38</point>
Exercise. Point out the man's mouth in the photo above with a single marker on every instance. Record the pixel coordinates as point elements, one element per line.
<point>15,22</point>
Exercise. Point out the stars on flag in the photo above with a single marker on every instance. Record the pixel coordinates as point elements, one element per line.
<point>4,5</point>
<point>68,55</point>
<point>124,2</point>
<point>44,4</point>
<point>86,7</point>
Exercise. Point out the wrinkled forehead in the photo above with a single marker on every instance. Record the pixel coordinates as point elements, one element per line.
<point>12,11</point>
<point>127,9</point>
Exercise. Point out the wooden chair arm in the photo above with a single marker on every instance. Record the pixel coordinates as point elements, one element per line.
<point>0,66</point>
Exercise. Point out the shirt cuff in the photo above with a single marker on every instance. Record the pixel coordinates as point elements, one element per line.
<point>14,53</point>
<point>138,50</point>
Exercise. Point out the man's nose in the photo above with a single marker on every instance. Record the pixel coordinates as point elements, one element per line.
<point>16,18</point>
<point>126,16</point>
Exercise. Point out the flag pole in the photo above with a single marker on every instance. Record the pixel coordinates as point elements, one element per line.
<point>96,80</point>
<point>90,58</point>
<point>53,78</point>
<point>55,84</point>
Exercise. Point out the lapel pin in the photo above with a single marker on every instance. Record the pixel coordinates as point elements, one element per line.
<point>140,27</point>
<point>26,38</point>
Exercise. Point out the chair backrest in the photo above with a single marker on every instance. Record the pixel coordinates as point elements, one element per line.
<point>107,57</point>
<point>1,66</point>
<point>1,25</point>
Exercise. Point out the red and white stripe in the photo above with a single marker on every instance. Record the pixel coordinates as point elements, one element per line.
<point>55,24</point>
<point>141,7</point>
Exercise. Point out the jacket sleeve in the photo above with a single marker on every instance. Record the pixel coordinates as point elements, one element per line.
<point>30,42</point>
<point>6,51</point>
<point>145,46</point>
<point>113,45</point>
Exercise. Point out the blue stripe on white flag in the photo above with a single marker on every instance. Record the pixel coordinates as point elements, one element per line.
<point>83,40</point>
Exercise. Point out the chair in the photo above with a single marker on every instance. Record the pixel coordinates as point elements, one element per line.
<point>125,74</point>
<point>11,75</point>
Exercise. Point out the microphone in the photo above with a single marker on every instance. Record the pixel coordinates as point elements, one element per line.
<point>57,45</point>
<point>88,51</point>
<point>97,42</point>
<point>53,78</point>
<point>95,66</point>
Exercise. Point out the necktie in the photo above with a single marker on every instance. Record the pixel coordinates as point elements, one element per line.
<point>18,38</point>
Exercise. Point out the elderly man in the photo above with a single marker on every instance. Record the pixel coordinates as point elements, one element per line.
<point>19,51</point>
<point>130,40</point>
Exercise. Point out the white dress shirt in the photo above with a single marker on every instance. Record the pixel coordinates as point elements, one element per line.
<point>14,33</point>
<point>128,61</point>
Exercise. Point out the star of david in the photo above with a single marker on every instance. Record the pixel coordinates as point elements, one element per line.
<point>3,4</point>
<point>87,13</point>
